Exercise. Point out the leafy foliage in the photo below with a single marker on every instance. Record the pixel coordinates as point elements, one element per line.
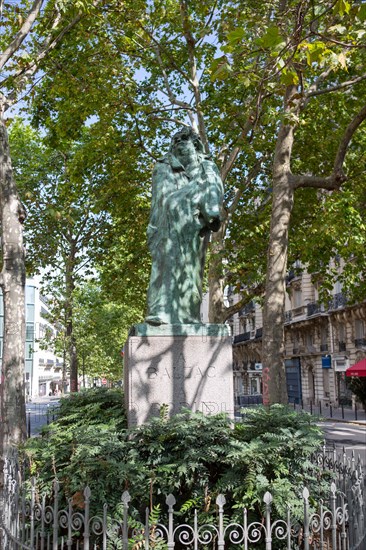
<point>193,456</point>
<point>358,386</point>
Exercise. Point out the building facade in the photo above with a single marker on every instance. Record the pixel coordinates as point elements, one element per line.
<point>321,342</point>
<point>43,369</point>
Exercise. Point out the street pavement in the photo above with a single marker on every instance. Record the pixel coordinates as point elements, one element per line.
<point>346,435</point>
<point>39,413</point>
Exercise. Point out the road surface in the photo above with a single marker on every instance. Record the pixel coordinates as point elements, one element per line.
<point>351,437</point>
<point>39,413</point>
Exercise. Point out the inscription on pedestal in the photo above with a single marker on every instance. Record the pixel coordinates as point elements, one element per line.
<point>178,371</point>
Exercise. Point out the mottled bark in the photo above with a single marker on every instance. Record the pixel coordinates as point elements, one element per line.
<point>12,396</point>
<point>273,339</point>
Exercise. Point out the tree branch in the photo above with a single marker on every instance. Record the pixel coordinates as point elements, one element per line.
<point>22,33</point>
<point>341,86</point>
<point>253,173</point>
<point>48,45</point>
<point>191,45</point>
<point>170,92</point>
<point>335,180</point>
<point>250,293</point>
<point>347,136</point>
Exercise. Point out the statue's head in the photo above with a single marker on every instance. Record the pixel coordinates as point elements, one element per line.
<point>186,134</point>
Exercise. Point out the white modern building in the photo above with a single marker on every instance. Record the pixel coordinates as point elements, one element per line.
<point>43,369</point>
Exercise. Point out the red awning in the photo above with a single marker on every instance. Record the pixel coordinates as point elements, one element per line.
<point>358,369</point>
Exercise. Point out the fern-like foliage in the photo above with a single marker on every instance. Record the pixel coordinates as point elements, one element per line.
<point>193,456</point>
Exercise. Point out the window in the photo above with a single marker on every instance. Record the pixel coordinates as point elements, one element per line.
<point>28,350</point>
<point>359,329</point>
<point>309,340</point>
<point>30,313</point>
<point>44,312</point>
<point>342,332</point>
<point>29,332</point>
<point>324,335</point>
<point>297,298</point>
<point>29,294</point>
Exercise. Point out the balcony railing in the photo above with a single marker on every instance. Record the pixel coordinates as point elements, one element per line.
<point>314,308</point>
<point>298,311</point>
<point>360,342</point>
<point>339,300</point>
<point>243,337</point>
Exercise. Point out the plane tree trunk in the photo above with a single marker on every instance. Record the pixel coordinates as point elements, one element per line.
<point>12,282</point>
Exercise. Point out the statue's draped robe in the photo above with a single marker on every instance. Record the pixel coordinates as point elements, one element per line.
<point>183,206</point>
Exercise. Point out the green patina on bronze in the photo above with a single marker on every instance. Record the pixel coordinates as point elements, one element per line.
<point>187,196</point>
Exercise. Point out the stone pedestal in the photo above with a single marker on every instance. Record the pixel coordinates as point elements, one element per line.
<point>183,366</point>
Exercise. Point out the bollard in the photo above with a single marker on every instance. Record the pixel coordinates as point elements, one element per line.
<point>320,408</point>
<point>331,411</point>
<point>355,411</point>
<point>342,407</point>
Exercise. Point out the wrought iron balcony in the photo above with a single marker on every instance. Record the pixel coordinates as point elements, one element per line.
<point>298,311</point>
<point>338,301</point>
<point>314,308</point>
<point>259,332</point>
<point>290,276</point>
<point>243,337</point>
<point>360,342</point>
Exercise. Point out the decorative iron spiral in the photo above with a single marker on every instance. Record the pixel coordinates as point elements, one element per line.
<point>184,534</point>
<point>236,533</point>
<point>48,514</point>
<point>279,529</point>
<point>255,531</point>
<point>206,533</point>
<point>38,512</point>
<point>96,525</point>
<point>63,519</point>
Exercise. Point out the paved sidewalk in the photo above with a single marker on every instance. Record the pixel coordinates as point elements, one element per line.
<point>341,414</point>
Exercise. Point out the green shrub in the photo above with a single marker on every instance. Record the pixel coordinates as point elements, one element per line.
<point>193,456</point>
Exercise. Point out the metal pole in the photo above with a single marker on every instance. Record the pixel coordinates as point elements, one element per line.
<point>268,500</point>
<point>305,495</point>
<point>170,501</point>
